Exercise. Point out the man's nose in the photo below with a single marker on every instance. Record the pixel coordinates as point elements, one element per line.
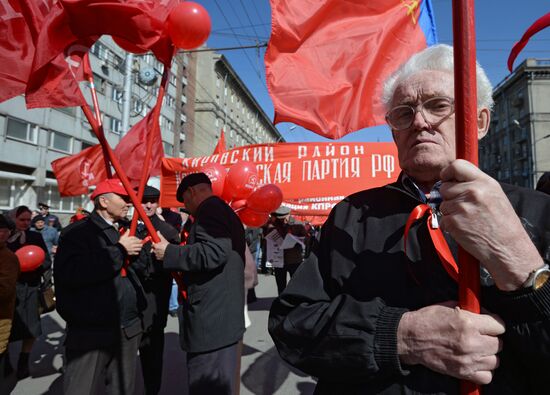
<point>419,122</point>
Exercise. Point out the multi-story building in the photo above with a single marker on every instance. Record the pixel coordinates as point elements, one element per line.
<point>517,148</point>
<point>222,101</point>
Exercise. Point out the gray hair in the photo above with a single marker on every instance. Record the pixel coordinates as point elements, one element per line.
<point>437,57</point>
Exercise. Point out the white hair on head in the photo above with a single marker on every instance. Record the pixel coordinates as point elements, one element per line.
<point>440,58</point>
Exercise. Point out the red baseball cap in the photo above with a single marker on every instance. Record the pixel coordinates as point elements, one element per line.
<point>112,185</point>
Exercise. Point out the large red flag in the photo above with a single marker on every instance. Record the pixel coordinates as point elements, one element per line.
<point>22,23</point>
<point>220,147</point>
<point>131,149</point>
<point>327,59</point>
<point>72,26</point>
<point>76,173</point>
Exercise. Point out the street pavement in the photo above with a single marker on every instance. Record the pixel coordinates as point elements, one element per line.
<point>263,372</point>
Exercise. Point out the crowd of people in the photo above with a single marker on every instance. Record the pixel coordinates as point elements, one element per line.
<point>371,307</point>
<point>115,291</point>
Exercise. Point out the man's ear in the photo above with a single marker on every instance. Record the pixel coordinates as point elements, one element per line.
<point>483,120</point>
<point>102,202</point>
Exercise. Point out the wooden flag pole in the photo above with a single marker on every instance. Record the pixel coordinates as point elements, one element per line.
<point>466,142</point>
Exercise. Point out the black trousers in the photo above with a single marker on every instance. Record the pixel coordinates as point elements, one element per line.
<point>151,353</point>
<point>213,372</point>
<point>280,276</point>
<point>103,370</point>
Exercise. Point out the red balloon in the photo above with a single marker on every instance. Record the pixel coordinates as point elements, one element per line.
<point>238,205</point>
<point>266,198</point>
<point>253,218</point>
<point>188,25</point>
<point>128,46</point>
<point>30,257</point>
<point>217,174</point>
<point>241,180</point>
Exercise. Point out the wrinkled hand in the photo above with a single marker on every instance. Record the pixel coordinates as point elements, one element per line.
<point>131,244</point>
<point>479,216</point>
<point>451,341</point>
<point>160,248</point>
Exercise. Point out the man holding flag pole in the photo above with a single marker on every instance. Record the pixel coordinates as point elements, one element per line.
<point>375,309</point>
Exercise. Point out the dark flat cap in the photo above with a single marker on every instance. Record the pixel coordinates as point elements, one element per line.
<point>37,218</point>
<point>191,180</point>
<point>151,192</point>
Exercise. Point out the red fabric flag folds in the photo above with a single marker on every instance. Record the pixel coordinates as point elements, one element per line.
<point>220,147</point>
<point>76,173</point>
<point>541,23</point>
<point>43,42</point>
<point>327,59</point>
<point>131,150</point>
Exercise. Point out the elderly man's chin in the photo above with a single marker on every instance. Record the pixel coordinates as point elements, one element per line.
<point>426,165</point>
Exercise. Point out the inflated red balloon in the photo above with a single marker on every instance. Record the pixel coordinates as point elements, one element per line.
<point>238,205</point>
<point>128,46</point>
<point>266,198</point>
<point>30,257</point>
<point>217,174</point>
<point>252,218</point>
<point>188,25</point>
<point>241,180</point>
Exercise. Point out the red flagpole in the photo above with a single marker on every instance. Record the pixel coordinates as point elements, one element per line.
<point>466,142</point>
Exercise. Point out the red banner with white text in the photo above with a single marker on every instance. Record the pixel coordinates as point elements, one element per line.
<point>312,176</point>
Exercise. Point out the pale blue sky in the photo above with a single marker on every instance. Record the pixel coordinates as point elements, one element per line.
<point>499,24</point>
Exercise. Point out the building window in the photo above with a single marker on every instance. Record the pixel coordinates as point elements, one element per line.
<point>100,50</point>
<point>21,130</point>
<point>60,142</point>
<point>50,195</point>
<point>117,95</point>
<point>138,107</point>
<point>167,148</point>
<point>99,83</point>
<point>115,125</point>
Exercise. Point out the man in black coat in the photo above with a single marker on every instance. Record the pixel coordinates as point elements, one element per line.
<point>157,284</point>
<point>100,298</point>
<point>374,309</point>
<point>212,263</point>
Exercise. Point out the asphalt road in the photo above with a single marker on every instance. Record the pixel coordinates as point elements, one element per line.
<point>262,370</point>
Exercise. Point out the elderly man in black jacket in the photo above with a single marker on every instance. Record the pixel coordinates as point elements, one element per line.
<point>212,263</point>
<point>369,314</point>
<point>157,285</point>
<point>99,297</point>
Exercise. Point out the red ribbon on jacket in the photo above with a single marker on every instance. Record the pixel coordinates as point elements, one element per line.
<point>440,244</point>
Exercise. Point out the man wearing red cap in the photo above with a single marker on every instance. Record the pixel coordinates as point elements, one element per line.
<point>99,297</point>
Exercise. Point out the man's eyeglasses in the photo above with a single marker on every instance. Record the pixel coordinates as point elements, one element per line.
<point>434,111</point>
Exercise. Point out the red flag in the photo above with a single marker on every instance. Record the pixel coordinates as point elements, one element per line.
<point>76,173</point>
<point>72,26</point>
<point>22,23</point>
<point>220,147</point>
<point>541,23</point>
<point>327,60</point>
<point>131,150</point>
